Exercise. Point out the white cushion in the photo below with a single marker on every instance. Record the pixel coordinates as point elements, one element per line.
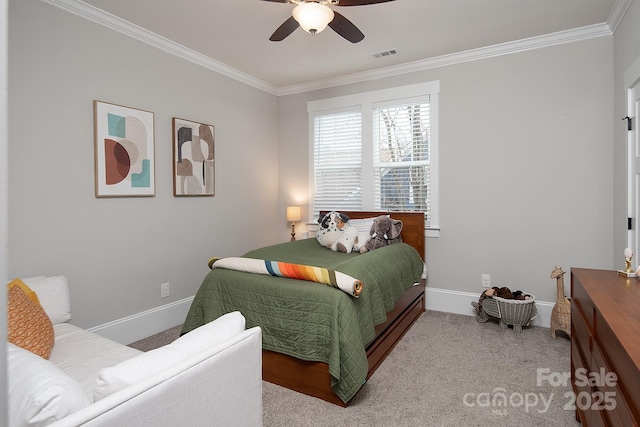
<point>53,293</point>
<point>362,225</point>
<point>39,392</point>
<point>124,374</point>
<point>81,354</point>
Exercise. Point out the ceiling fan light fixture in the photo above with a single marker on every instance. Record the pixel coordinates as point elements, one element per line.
<point>313,17</point>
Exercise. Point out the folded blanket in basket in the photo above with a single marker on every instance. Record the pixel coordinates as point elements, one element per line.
<point>310,273</point>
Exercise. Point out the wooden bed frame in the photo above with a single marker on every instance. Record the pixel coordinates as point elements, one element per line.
<point>313,378</point>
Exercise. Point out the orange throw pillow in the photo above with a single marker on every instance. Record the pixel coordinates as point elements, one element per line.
<point>27,290</point>
<point>28,325</point>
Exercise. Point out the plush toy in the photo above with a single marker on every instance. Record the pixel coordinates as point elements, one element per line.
<point>384,231</point>
<point>506,293</point>
<point>360,241</point>
<point>349,240</point>
<point>330,228</point>
<point>335,233</point>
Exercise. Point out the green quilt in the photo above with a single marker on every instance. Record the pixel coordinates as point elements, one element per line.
<point>313,321</point>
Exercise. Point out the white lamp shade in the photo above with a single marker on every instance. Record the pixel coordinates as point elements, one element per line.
<point>293,213</point>
<point>313,17</point>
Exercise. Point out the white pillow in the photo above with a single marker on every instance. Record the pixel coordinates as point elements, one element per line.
<point>131,371</point>
<point>39,392</point>
<point>364,229</point>
<point>363,225</point>
<point>53,293</point>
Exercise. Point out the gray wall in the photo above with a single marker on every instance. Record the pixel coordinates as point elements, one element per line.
<point>626,53</point>
<point>4,199</point>
<point>530,175</point>
<point>532,152</point>
<point>117,251</point>
<point>526,165</point>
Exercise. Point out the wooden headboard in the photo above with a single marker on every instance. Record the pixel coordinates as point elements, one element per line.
<point>412,225</point>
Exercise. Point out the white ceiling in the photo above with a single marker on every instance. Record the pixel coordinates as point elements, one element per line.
<point>235,33</point>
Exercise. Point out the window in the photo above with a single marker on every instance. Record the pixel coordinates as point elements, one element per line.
<point>338,161</point>
<point>376,151</point>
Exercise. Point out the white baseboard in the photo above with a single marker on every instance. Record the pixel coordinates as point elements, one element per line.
<point>460,303</point>
<point>141,325</point>
<point>133,328</point>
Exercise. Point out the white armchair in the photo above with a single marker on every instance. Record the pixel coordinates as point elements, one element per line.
<point>210,376</point>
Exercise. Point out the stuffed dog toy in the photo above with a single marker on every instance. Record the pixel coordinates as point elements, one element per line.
<point>349,240</point>
<point>335,233</point>
<point>330,228</point>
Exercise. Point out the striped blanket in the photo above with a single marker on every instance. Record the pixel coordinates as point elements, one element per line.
<point>310,273</point>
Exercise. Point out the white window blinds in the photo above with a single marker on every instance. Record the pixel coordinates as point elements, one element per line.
<point>376,151</point>
<point>338,161</point>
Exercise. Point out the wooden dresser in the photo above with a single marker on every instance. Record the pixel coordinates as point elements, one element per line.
<point>605,339</point>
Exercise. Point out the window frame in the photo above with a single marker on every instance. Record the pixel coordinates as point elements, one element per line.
<point>365,102</point>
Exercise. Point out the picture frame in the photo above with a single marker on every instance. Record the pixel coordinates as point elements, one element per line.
<point>124,151</point>
<point>193,158</point>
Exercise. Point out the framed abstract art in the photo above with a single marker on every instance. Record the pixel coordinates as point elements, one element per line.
<point>193,158</point>
<point>124,151</point>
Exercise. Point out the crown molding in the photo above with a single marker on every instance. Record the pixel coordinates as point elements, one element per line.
<point>110,21</point>
<point>617,13</point>
<point>538,42</point>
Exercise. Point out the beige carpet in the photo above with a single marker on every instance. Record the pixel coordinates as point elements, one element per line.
<point>449,370</point>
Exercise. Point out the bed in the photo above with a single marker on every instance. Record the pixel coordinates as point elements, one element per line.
<point>319,340</point>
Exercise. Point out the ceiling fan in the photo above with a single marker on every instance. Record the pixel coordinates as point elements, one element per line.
<point>314,15</point>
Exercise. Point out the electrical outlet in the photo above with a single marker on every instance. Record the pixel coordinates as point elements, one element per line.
<point>164,290</point>
<point>486,280</point>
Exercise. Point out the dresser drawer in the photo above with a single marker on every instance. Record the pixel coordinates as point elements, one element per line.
<point>578,363</point>
<point>597,420</point>
<point>580,334</point>
<point>605,347</point>
<point>607,395</point>
<point>612,355</point>
<point>581,299</point>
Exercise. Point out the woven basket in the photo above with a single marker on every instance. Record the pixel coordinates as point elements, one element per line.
<point>517,313</point>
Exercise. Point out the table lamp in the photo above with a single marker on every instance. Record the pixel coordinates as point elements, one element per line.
<point>293,215</point>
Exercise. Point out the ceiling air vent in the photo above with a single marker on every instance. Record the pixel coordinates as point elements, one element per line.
<point>385,53</point>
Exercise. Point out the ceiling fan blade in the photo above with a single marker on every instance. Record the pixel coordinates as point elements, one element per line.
<point>344,2</point>
<point>287,27</point>
<point>357,2</point>
<point>346,28</point>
